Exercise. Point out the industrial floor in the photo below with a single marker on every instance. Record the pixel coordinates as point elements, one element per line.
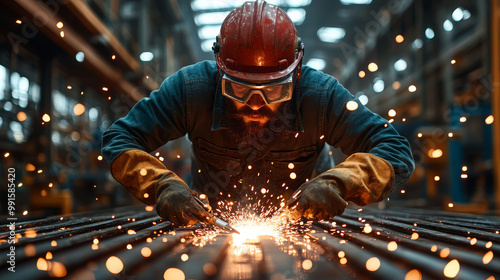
<point>134,243</point>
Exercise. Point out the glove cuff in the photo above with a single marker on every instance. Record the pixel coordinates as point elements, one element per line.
<point>143,175</point>
<point>362,178</point>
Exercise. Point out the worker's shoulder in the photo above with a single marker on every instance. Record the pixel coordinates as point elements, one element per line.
<point>204,71</point>
<point>314,79</point>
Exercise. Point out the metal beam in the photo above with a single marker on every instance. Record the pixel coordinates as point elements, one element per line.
<point>72,43</point>
<point>86,16</point>
<point>495,100</point>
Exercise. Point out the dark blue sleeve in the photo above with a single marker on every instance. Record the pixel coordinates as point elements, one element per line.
<point>152,122</point>
<point>361,130</point>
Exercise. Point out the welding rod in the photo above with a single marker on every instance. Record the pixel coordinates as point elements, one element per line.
<point>218,222</point>
<point>293,202</point>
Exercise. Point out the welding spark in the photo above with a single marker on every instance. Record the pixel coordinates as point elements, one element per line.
<point>451,269</point>
<point>252,226</point>
<point>114,265</point>
<point>373,264</point>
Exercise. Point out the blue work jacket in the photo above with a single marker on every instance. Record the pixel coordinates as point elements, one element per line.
<point>190,102</point>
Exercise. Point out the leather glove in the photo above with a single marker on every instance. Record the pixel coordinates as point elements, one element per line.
<point>362,178</point>
<point>177,204</point>
<point>317,199</point>
<point>146,178</point>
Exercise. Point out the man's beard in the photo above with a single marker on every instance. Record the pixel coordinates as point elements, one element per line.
<point>247,133</point>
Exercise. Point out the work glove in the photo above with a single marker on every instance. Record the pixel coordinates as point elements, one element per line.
<point>362,178</point>
<point>146,178</point>
<point>317,199</point>
<point>176,203</point>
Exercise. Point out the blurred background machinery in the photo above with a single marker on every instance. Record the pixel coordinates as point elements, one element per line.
<point>68,69</point>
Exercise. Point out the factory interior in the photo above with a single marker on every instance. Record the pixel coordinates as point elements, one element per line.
<point>70,68</point>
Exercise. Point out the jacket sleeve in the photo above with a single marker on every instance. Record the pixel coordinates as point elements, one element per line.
<point>152,122</point>
<point>361,131</point>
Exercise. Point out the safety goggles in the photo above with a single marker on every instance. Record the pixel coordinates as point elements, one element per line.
<point>271,92</point>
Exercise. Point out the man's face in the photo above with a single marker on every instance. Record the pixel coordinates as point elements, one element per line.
<point>247,120</point>
<point>256,110</point>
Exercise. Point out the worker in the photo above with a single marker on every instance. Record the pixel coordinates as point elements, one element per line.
<point>258,121</point>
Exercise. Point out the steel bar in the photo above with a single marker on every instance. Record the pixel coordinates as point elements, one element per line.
<point>471,257</point>
<point>365,244</point>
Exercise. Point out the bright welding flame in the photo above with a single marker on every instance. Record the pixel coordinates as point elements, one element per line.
<point>252,226</point>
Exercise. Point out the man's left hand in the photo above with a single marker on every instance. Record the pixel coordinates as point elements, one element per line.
<point>317,199</point>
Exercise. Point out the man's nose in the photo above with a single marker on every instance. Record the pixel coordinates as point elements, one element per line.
<point>256,101</point>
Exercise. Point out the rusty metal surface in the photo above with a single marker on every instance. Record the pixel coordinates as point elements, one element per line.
<point>133,243</point>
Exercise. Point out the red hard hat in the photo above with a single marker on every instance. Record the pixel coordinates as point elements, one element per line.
<point>258,42</point>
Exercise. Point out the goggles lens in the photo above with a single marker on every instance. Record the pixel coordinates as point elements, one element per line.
<point>270,92</point>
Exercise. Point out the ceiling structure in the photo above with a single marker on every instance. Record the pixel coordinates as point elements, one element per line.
<point>350,22</point>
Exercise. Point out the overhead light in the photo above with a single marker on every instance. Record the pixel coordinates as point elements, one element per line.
<point>146,56</point>
<point>330,34</point>
<point>210,18</point>
<point>400,65</point>
<point>466,15</point>
<point>208,32</point>
<point>3,79</point>
<point>357,2</point>
<point>80,57</point>
<point>289,3</point>
<point>378,85</point>
<point>297,15</point>
<point>93,114</point>
<point>458,14</point>
<point>447,25</point>
<point>297,3</point>
<point>417,44</point>
<point>201,5</point>
<point>7,106</point>
<point>206,45</point>
<point>429,33</point>
<point>316,63</point>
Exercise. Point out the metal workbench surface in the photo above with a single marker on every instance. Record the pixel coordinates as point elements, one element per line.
<point>135,243</point>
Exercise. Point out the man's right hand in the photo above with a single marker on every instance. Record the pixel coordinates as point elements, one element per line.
<point>176,203</point>
<point>317,199</point>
